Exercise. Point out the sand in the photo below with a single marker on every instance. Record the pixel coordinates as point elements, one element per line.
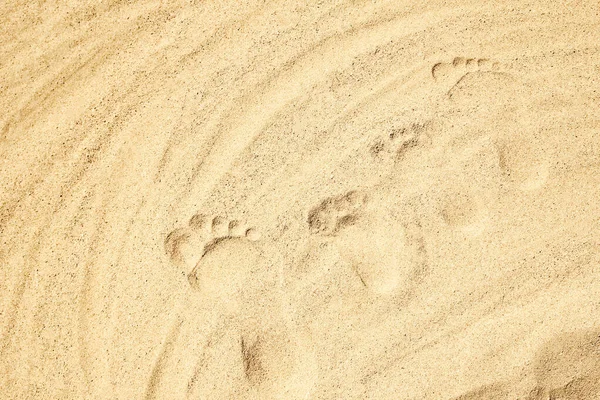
<point>300,200</point>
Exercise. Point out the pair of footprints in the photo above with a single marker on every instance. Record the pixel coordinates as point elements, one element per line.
<point>401,140</point>
<point>217,255</point>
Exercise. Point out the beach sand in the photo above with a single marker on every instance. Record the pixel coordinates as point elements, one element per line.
<point>300,200</point>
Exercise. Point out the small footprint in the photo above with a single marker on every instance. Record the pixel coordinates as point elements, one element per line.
<point>229,272</point>
<point>335,212</point>
<point>211,250</point>
<point>465,210</point>
<point>481,89</point>
<point>386,254</point>
<point>474,84</point>
<point>469,185</point>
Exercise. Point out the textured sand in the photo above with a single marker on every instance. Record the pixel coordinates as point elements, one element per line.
<point>283,200</point>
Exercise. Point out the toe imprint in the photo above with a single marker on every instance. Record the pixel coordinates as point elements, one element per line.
<point>401,140</point>
<point>335,212</point>
<point>460,66</point>
<point>186,246</point>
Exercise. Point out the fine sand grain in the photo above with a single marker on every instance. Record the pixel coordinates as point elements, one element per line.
<point>300,200</point>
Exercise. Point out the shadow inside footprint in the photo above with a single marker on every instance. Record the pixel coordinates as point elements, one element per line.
<point>487,88</point>
<point>203,236</point>
<point>465,211</point>
<point>569,366</point>
<point>279,364</point>
<point>523,163</point>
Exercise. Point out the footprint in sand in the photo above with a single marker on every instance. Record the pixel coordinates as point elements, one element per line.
<point>399,141</point>
<point>523,165</point>
<point>386,254</point>
<point>462,209</point>
<point>468,185</point>
<point>226,267</point>
<point>452,72</point>
<point>481,90</point>
<point>215,254</point>
<point>568,368</point>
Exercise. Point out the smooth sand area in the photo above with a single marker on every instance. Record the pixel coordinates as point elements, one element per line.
<point>219,199</point>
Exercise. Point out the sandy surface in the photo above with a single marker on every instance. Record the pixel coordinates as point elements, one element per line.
<point>285,200</point>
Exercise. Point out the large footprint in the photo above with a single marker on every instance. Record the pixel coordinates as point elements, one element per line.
<point>230,275</point>
<point>481,90</point>
<point>385,253</point>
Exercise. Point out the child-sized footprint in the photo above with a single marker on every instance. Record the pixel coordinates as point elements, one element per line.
<point>464,210</point>
<point>384,252</point>
<point>487,99</point>
<point>475,85</point>
<point>468,185</point>
<point>398,141</point>
<point>523,162</point>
